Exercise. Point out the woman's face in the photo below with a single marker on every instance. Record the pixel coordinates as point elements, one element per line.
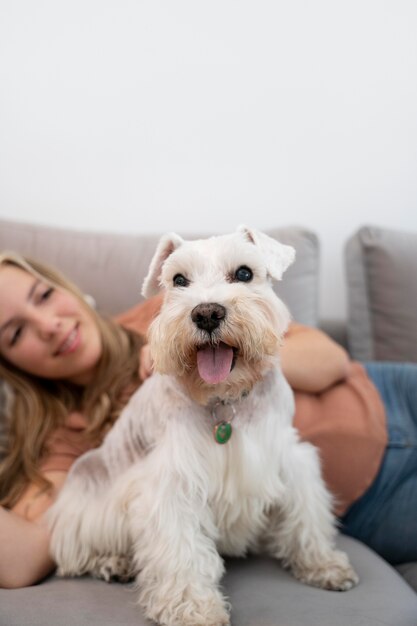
<point>45,330</point>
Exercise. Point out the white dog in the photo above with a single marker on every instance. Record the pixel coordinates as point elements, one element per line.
<point>204,460</point>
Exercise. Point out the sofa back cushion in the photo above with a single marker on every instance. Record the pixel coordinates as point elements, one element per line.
<point>111,267</point>
<point>381,266</point>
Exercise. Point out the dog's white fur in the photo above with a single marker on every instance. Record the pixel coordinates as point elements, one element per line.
<point>160,497</point>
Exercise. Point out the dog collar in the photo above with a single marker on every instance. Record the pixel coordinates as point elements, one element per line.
<point>222,429</point>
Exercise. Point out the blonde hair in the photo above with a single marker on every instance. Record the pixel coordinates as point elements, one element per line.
<point>39,405</point>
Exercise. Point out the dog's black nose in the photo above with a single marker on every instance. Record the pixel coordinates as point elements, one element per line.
<point>207,316</point>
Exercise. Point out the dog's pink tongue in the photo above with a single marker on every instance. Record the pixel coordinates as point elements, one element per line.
<point>214,364</point>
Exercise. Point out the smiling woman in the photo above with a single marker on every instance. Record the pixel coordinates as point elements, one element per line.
<point>71,372</point>
<point>45,329</point>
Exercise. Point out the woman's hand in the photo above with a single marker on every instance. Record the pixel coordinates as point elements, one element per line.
<point>24,551</point>
<point>145,363</point>
<point>311,361</point>
<point>24,536</point>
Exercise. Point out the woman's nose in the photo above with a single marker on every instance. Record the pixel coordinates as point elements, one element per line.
<point>47,325</point>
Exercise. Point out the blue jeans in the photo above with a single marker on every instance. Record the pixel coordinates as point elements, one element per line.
<point>385,517</point>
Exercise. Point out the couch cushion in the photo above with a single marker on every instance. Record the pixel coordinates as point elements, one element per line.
<point>409,572</point>
<point>261,594</point>
<point>111,267</point>
<point>381,267</point>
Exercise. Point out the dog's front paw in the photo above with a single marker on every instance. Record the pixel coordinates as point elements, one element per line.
<point>188,610</point>
<point>335,573</point>
<point>208,613</point>
<point>112,567</point>
<point>106,567</point>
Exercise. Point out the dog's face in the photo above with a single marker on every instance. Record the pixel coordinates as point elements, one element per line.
<point>221,324</point>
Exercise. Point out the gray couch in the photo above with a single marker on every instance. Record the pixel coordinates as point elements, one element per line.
<point>111,269</point>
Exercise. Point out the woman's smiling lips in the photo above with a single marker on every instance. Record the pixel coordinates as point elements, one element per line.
<point>70,343</point>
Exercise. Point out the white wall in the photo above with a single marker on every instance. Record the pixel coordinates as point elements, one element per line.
<point>128,115</point>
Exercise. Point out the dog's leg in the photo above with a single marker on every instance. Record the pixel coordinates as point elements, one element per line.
<point>88,524</point>
<point>89,521</point>
<point>302,528</point>
<point>175,554</point>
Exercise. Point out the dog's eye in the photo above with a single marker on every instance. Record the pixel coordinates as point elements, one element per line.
<point>180,281</point>
<point>243,274</point>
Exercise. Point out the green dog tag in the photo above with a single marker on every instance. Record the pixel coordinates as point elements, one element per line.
<point>223,432</point>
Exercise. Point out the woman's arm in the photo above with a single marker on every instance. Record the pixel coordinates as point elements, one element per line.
<point>311,361</point>
<point>24,551</point>
<point>24,538</point>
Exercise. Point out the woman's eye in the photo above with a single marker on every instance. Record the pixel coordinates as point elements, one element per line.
<point>243,274</point>
<point>16,335</point>
<point>180,281</point>
<point>48,292</point>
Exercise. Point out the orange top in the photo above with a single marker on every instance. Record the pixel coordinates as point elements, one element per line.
<point>346,422</point>
<point>65,444</point>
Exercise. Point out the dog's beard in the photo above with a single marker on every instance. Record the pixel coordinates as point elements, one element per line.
<point>227,362</point>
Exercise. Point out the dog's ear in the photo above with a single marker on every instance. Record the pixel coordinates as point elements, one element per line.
<point>151,285</point>
<point>278,257</point>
